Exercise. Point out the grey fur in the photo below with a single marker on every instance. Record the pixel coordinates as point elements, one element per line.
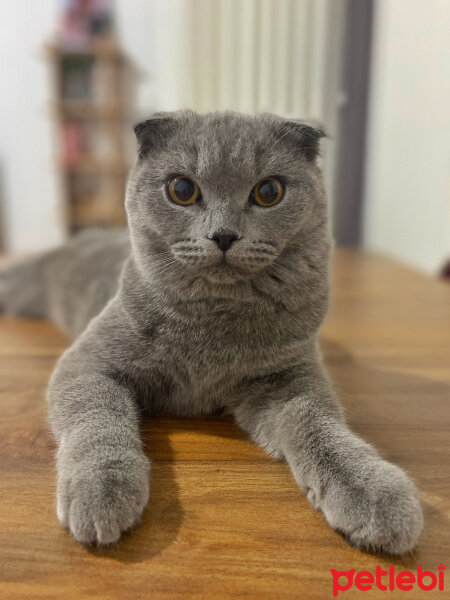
<point>187,333</point>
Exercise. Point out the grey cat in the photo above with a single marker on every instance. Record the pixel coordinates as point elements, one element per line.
<point>215,304</point>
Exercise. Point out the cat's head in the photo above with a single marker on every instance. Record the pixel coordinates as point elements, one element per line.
<point>225,196</point>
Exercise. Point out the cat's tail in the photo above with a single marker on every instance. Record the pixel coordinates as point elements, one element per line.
<point>23,289</point>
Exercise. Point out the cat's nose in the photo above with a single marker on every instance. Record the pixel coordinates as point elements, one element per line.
<point>224,238</point>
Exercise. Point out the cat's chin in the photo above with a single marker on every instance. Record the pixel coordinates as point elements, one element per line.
<point>223,275</point>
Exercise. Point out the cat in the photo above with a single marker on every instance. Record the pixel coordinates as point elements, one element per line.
<point>212,301</point>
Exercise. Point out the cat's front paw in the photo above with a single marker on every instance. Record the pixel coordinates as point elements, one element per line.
<point>99,500</point>
<point>381,512</point>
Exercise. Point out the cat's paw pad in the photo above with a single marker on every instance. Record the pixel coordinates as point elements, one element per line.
<point>97,503</point>
<point>384,514</point>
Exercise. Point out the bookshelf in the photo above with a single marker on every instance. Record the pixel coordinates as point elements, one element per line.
<point>89,110</point>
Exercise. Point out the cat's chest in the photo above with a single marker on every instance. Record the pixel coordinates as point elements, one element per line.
<point>201,362</point>
<point>210,341</point>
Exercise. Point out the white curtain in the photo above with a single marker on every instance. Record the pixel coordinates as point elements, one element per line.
<point>247,55</point>
<point>253,56</point>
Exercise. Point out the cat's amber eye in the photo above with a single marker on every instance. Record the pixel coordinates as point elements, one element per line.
<point>267,192</point>
<point>183,190</point>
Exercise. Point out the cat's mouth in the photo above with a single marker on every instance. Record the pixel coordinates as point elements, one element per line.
<point>224,267</point>
<point>227,271</point>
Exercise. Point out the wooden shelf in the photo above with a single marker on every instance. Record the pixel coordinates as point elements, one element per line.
<point>103,48</point>
<point>88,109</point>
<point>100,212</point>
<point>90,112</point>
<point>95,165</point>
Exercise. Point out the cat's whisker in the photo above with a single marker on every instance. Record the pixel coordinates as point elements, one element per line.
<point>177,270</point>
<point>166,260</point>
<point>162,267</point>
<point>275,264</point>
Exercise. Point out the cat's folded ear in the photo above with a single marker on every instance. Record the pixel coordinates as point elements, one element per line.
<point>306,136</point>
<point>153,132</point>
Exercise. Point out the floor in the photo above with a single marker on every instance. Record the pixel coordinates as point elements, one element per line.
<point>225,520</point>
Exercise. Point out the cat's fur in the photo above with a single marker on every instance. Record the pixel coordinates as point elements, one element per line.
<point>187,333</point>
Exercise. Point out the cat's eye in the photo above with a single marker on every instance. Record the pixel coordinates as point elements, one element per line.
<point>267,192</point>
<point>183,190</point>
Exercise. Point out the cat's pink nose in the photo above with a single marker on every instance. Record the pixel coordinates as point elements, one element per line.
<point>224,238</point>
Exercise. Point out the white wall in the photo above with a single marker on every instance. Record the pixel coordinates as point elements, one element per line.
<point>29,187</point>
<point>31,202</point>
<point>136,29</point>
<point>407,199</point>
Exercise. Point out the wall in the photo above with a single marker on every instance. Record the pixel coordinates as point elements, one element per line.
<point>31,217</point>
<point>407,196</point>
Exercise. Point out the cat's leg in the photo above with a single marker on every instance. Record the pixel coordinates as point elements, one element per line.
<point>369,500</point>
<point>103,473</point>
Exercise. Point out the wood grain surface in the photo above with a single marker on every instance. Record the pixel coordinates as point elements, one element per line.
<point>225,520</point>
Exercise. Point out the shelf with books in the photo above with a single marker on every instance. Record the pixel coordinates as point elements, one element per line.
<point>103,48</point>
<point>90,112</point>
<point>98,213</point>
<point>88,164</point>
<point>67,108</point>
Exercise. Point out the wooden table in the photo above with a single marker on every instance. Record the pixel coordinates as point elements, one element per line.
<point>225,520</point>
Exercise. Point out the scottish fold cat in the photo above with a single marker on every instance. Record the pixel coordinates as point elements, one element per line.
<point>213,300</point>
